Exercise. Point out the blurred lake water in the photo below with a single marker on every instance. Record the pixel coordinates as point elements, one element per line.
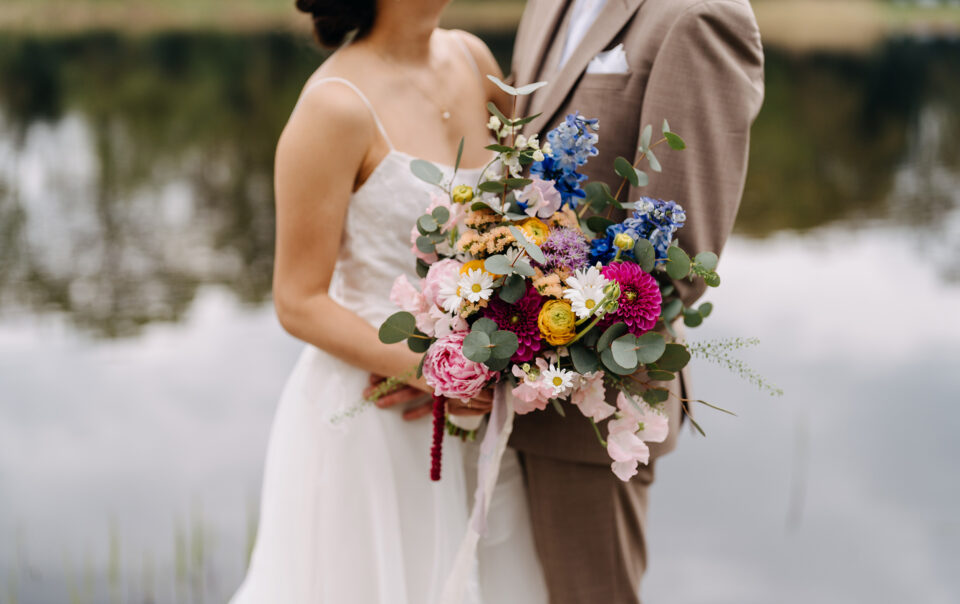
<point>140,361</point>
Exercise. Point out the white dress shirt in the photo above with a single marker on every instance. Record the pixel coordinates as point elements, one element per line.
<point>585,12</point>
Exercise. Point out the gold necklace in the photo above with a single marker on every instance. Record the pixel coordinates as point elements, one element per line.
<point>444,112</point>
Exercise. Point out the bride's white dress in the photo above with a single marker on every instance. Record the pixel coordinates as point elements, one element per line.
<point>348,513</point>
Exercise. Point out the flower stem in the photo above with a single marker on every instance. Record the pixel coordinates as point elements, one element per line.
<point>596,430</point>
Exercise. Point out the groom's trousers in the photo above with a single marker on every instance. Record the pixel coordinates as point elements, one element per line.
<point>590,529</point>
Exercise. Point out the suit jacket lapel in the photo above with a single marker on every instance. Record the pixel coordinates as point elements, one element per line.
<point>545,21</point>
<point>548,99</point>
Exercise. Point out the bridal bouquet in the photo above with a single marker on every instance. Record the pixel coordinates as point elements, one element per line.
<point>528,283</point>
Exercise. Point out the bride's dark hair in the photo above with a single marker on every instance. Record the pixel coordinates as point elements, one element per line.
<point>334,20</point>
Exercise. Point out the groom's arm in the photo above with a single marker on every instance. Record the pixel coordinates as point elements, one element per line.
<point>707,80</point>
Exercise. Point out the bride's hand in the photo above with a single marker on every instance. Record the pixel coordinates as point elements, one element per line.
<point>479,405</point>
<point>407,394</point>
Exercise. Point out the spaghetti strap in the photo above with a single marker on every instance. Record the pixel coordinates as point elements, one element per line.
<point>470,59</point>
<point>363,97</point>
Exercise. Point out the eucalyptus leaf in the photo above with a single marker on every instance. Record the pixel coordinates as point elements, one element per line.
<point>513,289</point>
<point>419,345</point>
<point>495,111</point>
<point>655,395</point>
<point>476,346</point>
<point>529,88</point>
<point>492,186</point>
<point>645,254</point>
<point>523,267</point>
<point>692,318</point>
<point>678,266</point>
<point>666,126</point>
<point>488,326</point>
<point>398,327</point>
<point>505,344</point>
<point>441,215</point>
<point>599,224</point>
<point>584,359</point>
<point>498,265</point>
<point>456,166</point>
<point>672,309</point>
<point>712,279</point>
<point>658,375</point>
<point>503,86</point>
<point>676,143</point>
<point>624,169</point>
<point>705,309</point>
<point>666,289</point>
<point>558,407</point>
<point>654,162</point>
<point>642,179</point>
<point>645,137</point>
<point>515,217</point>
<point>426,171</point>
<point>624,351</point>
<point>495,364</point>
<point>427,224</point>
<point>518,183</point>
<point>425,245</point>
<point>613,332</point>
<point>526,120</point>
<point>499,148</point>
<point>674,358</point>
<point>649,347</point>
<point>707,260</point>
<point>422,268</point>
<point>606,357</point>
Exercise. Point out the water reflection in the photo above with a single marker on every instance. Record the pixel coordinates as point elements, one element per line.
<point>136,208</point>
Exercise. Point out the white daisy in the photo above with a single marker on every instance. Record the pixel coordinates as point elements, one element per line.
<point>450,297</point>
<point>560,379</point>
<point>585,290</point>
<point>475,285</point>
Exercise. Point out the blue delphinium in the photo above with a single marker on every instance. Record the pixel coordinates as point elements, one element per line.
<point>654,220</point>
<point>572,143</point>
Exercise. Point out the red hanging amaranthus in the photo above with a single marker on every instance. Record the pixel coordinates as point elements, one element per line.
<point>439,423</point>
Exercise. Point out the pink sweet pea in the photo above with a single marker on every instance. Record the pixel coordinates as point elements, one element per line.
<point>628,436</point>
<point>533,394</point>
<point>541,197</point>
<point>590,397</point>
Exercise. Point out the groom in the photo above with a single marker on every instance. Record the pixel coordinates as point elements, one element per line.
<point>699,64</point>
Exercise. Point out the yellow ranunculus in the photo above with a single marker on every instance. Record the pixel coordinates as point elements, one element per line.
<point>462,194</point>
<point>536,229</point>
<point>557,322</point>
<point>475,265</point>
<point>623,241</point>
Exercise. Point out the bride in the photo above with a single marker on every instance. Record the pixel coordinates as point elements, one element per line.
<point>348,513</point>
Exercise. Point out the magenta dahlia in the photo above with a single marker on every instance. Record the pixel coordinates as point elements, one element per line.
<point>520,318</point>
<point>639,304</point>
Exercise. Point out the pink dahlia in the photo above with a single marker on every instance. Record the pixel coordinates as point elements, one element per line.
<point>450,373</point>
<point>639,297</point>
<point>520,318</point>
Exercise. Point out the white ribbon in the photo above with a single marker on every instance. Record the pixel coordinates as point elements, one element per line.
<point>488,471</point>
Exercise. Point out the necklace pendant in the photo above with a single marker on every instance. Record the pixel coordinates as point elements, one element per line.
<point>445,115</point>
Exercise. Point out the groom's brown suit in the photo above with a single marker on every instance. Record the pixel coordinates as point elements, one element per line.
<point>699,64</point>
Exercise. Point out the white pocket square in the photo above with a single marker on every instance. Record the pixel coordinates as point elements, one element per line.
<point>609,61</point>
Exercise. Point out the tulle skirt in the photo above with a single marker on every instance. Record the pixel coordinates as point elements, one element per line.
<point>349,515</point>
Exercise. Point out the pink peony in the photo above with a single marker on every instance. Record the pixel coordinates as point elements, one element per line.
<point>532,394</point>
<point>541,198</point>
<point>441,273</point>
<point>639,304</point>
<point>590,397</point>
<point>451,374</point>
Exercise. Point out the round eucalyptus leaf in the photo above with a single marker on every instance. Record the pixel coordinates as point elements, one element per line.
<point>485,325</point>
<point>712,279</point>
<point>495,364</point>
<point>624,168</point>
<point>476,346</point>
<point>625,351</point>
<point>419,344</point>
<point>523,267</point>
<point>674,358</point>
<point>678,266</point>
<point>692,318</point>
<point>645,254</point>
<point>660,376</point>
<point>705,309</point>
<point>584,359</point>
<point>440,214</point>
<point>532,249</point>
<point>707,260</point>
<point>599,224</point>
<point>676,143</point>
<point>505,344</point>
<point>398,327</point>
<point>427,224</point>
<point>654,162</point>
<point>606,357</point>
<point>425,245</point>
<point>649,347</point>
<point>513,289</point>
<point>612,333</point>
<point>422,268</point>
<point>656,395</point>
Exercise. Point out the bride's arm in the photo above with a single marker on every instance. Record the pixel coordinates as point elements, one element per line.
<point>319,156</point>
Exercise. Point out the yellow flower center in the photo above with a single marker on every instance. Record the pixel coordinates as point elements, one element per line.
<point>631,295</point>
<point>476,288</point>
<point>558,381</point>
<point>514,320</point>
<point>590,303</point>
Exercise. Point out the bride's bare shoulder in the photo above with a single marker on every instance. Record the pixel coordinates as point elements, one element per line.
<point>478,50</point>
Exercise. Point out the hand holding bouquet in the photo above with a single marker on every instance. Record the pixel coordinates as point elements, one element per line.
<point>527,282</point>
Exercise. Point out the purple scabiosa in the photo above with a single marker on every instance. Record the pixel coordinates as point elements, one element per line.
<point>520,318</point>
<point>640,299</point>
<point>565,248</point>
